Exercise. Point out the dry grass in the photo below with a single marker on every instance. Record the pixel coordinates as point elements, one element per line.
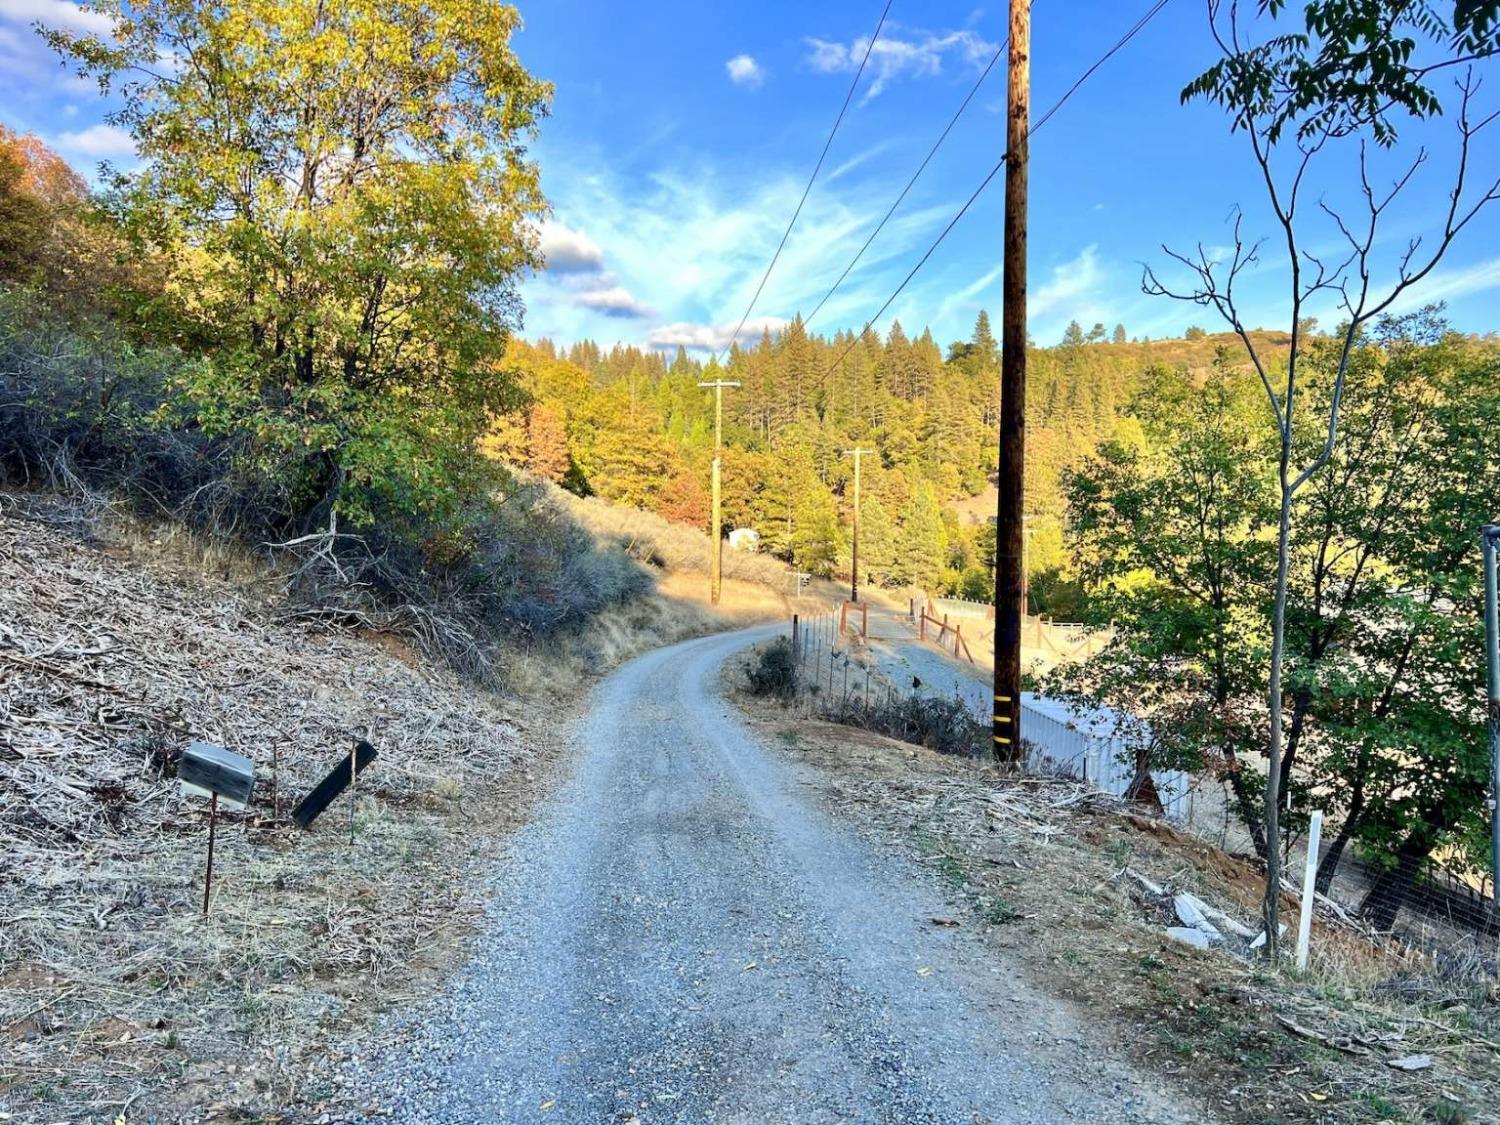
<point>119,641</point>
<point>114,991</point>
<point>1046,867</point>
<point>670,546</point>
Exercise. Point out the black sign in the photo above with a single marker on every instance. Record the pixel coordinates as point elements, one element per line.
<point>312,806</point>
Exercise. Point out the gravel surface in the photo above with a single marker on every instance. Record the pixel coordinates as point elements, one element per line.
<point>683,936</point>
<point>901,657</point>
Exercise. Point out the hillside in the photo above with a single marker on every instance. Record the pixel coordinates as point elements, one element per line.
<point>118,647</point>
<point>633,427</point>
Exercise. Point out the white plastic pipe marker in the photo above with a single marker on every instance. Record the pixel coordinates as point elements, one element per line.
<point>1309,877</point>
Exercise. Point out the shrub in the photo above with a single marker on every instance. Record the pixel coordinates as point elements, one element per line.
<point>85,408</point>
<point>944,724</point>
<point>774,672</point>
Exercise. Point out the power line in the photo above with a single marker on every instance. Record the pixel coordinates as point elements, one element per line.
<point>1057,105</point>
<point>849,97</point>
<point>909,183</point>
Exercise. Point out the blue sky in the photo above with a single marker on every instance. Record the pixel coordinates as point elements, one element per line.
<point>682,135</point>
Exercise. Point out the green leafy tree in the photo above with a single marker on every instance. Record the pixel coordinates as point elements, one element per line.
<point>1345,77</point>
<point>344,196</point>
<point>1171,552</point>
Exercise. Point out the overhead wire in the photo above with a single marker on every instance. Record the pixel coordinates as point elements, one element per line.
<point>827,144</point>
<point>1135,30</point>
<point>922,167</point>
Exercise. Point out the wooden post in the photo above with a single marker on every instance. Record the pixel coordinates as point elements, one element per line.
<point>854,560</point>
<point>1009,545</point>
<point>716,545</point>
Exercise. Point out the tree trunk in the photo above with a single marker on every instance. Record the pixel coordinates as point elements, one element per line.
<point>1143,786</point>
<point>1328,866</point>
<point>1272,906</point>
<point>1383,901</point>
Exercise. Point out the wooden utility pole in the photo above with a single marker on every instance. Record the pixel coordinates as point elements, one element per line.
<point>716,545</point>
<point>854,568</point>
<point>1009,521</point>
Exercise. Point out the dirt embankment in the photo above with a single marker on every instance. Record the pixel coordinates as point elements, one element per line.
<point>1049,872</point>
<point>117,997</point>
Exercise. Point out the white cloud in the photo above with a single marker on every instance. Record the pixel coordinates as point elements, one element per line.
<point>922,54</point>
<point>56,13</point>
<point>614,301</point>
<point>1447,284</point>
<point>692,242</point>
<point>1070,284</point>
<point>569,251</point>
<point>709,337</point>
<point>745,71</point>
<point>98,141</point>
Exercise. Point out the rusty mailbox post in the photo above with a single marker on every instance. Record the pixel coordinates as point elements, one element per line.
<point>211,771</point>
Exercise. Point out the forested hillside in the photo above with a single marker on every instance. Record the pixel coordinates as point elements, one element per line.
<point>634,427</point>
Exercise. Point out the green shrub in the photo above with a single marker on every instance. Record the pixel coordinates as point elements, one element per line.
<point>774,671</point>
<point>83,407</point>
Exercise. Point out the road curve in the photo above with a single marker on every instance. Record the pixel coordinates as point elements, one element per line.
<point>681,936</point>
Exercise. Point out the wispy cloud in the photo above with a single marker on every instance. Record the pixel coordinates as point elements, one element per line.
<point>1451,284</point>
<point>745,71</point>
<point>1069,285</point>
<point>900,54</point>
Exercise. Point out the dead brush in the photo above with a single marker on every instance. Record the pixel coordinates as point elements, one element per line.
<point>114,990</point>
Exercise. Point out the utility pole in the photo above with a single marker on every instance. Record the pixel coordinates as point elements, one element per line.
<point>716,545</point>
<point>1490,540</point>
<point>1009,542</point>
<point>854,569</point>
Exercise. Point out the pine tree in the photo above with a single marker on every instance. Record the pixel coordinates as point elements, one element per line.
<point>923,540</point>
<point>547,443</point>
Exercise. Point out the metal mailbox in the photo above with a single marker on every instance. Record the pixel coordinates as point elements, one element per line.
<point>212,771</point>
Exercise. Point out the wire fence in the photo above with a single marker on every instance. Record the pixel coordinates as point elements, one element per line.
<point>845,686</point>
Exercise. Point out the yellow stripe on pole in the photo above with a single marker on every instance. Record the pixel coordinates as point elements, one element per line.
<point>1003,741</point>
<point>1002,718</point>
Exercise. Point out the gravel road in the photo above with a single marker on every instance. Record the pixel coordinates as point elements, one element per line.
<point>900,656</point>
<point>682,936</point>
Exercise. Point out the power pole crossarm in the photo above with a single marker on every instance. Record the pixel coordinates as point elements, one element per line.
<point>716,543</point>
<point>854,552</point>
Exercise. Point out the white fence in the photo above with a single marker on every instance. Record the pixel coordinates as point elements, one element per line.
<point>1091,748</point>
